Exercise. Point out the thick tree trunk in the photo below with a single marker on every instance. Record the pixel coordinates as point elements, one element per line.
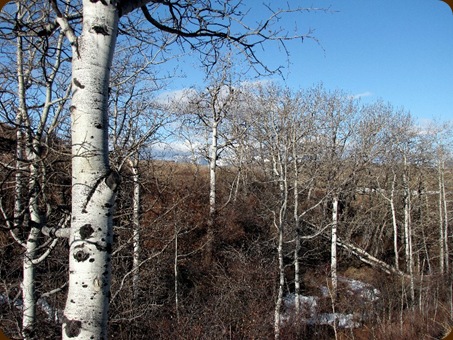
<point>93,183</point>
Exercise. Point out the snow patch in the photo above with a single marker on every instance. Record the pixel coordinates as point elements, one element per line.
<point>309,311</point>
<point>344,320</point>
<point>355,287</point>
<point>364,290</point>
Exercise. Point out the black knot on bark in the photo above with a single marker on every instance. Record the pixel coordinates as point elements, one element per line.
<point>73,328</point>
<point>81,256</point>
<point>86,231</point>
<point>78,83</point>
<point>101,29</point>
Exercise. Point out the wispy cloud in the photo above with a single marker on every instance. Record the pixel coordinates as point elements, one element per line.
<point>362,95</point>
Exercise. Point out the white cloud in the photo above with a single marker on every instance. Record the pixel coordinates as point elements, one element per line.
<point>362,95</point>
<point>178,150</point>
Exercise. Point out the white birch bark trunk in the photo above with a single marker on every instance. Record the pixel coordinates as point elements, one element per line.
<point>28,284</point>
<point>35,224</point>
<point>176,275</point>
<point>280,171</point>
<point>445,217</point>
<point>297,226</point>
<point>333,248</point>
<point>408,230</point>
<point>297,267</point>
<point>93,183</point>
<point>395,225</point>
<point>441,223</point>
<point>447,260</point>
<point>28,280</point>
<point>212,185</point>
<point>136,227</point>
<point>281,283</point>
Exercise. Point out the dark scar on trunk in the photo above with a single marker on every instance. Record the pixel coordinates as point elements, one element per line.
<point>86,231</point>
<point>72,328</point>
<point>78,84</point>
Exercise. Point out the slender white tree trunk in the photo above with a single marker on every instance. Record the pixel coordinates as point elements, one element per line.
<point>176,275</point>
<point>395,225</point>
<point>297,267</point>
<point>212,185</point>
<point>136,226</point>
<point>297,228</point>
<point>28,280</point>
<point>212,170</point>
<point>93,183</point>
<point>333,249</point>
<point>445,217</point>
<point>28,284</point>
<point>281,283</point>
<point>35,223</point>
<point>408,230</point>
<point>280,171</point>
<point>441,223</point>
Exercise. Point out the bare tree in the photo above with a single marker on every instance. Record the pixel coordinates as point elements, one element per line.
<point>38,106</point>
<point>441,143</point>
<point>208,111</point>
<point>337,120</point>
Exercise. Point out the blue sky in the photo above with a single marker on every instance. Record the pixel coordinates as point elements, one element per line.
<point>400,51</point>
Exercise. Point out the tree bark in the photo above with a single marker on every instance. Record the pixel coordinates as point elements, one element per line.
<point>136,226</point>
<point>333,248</point>
<point>441,223</point>
<point>212,184</point>
<point>395,225</point>
<point>281,175</point>
<point>298,232</point>
<point>93,183</point>
<point>408,230</point>
<point>28,285</point>
<point>281,282</point>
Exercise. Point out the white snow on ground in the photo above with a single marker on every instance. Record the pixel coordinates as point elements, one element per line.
<point>344,320</point>
<point>309,304</point>
<point>365,290</point>
<point>362,289</point>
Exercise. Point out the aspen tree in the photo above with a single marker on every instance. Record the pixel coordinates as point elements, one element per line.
<point>38,107</point>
